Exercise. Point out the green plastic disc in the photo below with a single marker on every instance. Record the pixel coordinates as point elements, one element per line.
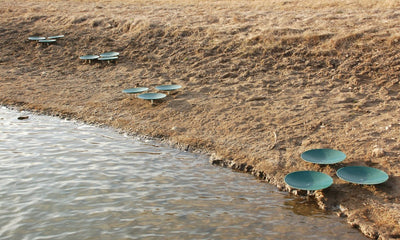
<point>362,175</point>
<point>308,180</point>
<point>135,90</point>
<point>323,156</point>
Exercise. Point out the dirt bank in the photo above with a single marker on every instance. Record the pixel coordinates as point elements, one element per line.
<point>262,82</point>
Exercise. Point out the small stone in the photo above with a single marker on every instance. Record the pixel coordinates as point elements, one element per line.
<point>22,117</point>
<point>280,187</point>
<point>342,208</point>
<point>378,152</point>
<point>178,129</point>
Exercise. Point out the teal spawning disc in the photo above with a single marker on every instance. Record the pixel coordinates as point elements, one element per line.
<point>308,180</point>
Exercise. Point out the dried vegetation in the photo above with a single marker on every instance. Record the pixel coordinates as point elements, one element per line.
<point>262,82</point>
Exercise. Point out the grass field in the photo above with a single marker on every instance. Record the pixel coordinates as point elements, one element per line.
<point>262,81</point>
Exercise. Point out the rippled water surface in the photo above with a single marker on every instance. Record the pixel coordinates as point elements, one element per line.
<point>65,180</point>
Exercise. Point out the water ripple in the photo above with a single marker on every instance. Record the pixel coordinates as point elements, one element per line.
<point>64,180</point>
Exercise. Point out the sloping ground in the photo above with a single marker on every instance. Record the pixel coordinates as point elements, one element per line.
<point>262,82</point>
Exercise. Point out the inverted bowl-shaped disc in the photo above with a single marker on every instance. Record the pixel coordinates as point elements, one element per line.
<point>308,180</point>
<point>323,156</point>
<point>362,175</point>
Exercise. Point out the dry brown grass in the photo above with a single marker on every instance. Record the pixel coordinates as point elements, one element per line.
<point>339,5</point>
<point>263,80</point>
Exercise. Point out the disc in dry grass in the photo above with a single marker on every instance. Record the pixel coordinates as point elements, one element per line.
<point>36,38</point>
<point>109,54</point>
<point>362,175</point>
<point>47,41</point>
<point>107,58</point>
<point>168,87</point>
<point>152,96</point>
<point>135,90</point>
<point>308,180</point>
<point>56,37</point>
<point>89,57</point>
<point>323,156</point>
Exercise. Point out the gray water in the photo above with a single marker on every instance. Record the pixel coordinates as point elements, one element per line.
<point>61,179</point>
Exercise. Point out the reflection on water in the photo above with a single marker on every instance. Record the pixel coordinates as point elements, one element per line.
<point>64,180</point>
<point>302,206</point>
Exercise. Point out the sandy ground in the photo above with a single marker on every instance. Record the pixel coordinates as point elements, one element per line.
<point>262,81</point>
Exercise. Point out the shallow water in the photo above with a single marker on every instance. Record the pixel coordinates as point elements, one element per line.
<point>65,180</point>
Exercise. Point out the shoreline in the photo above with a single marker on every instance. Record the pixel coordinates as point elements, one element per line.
<point>260,84</point>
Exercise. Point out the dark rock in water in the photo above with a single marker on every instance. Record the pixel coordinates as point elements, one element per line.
<point>23,117</point>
